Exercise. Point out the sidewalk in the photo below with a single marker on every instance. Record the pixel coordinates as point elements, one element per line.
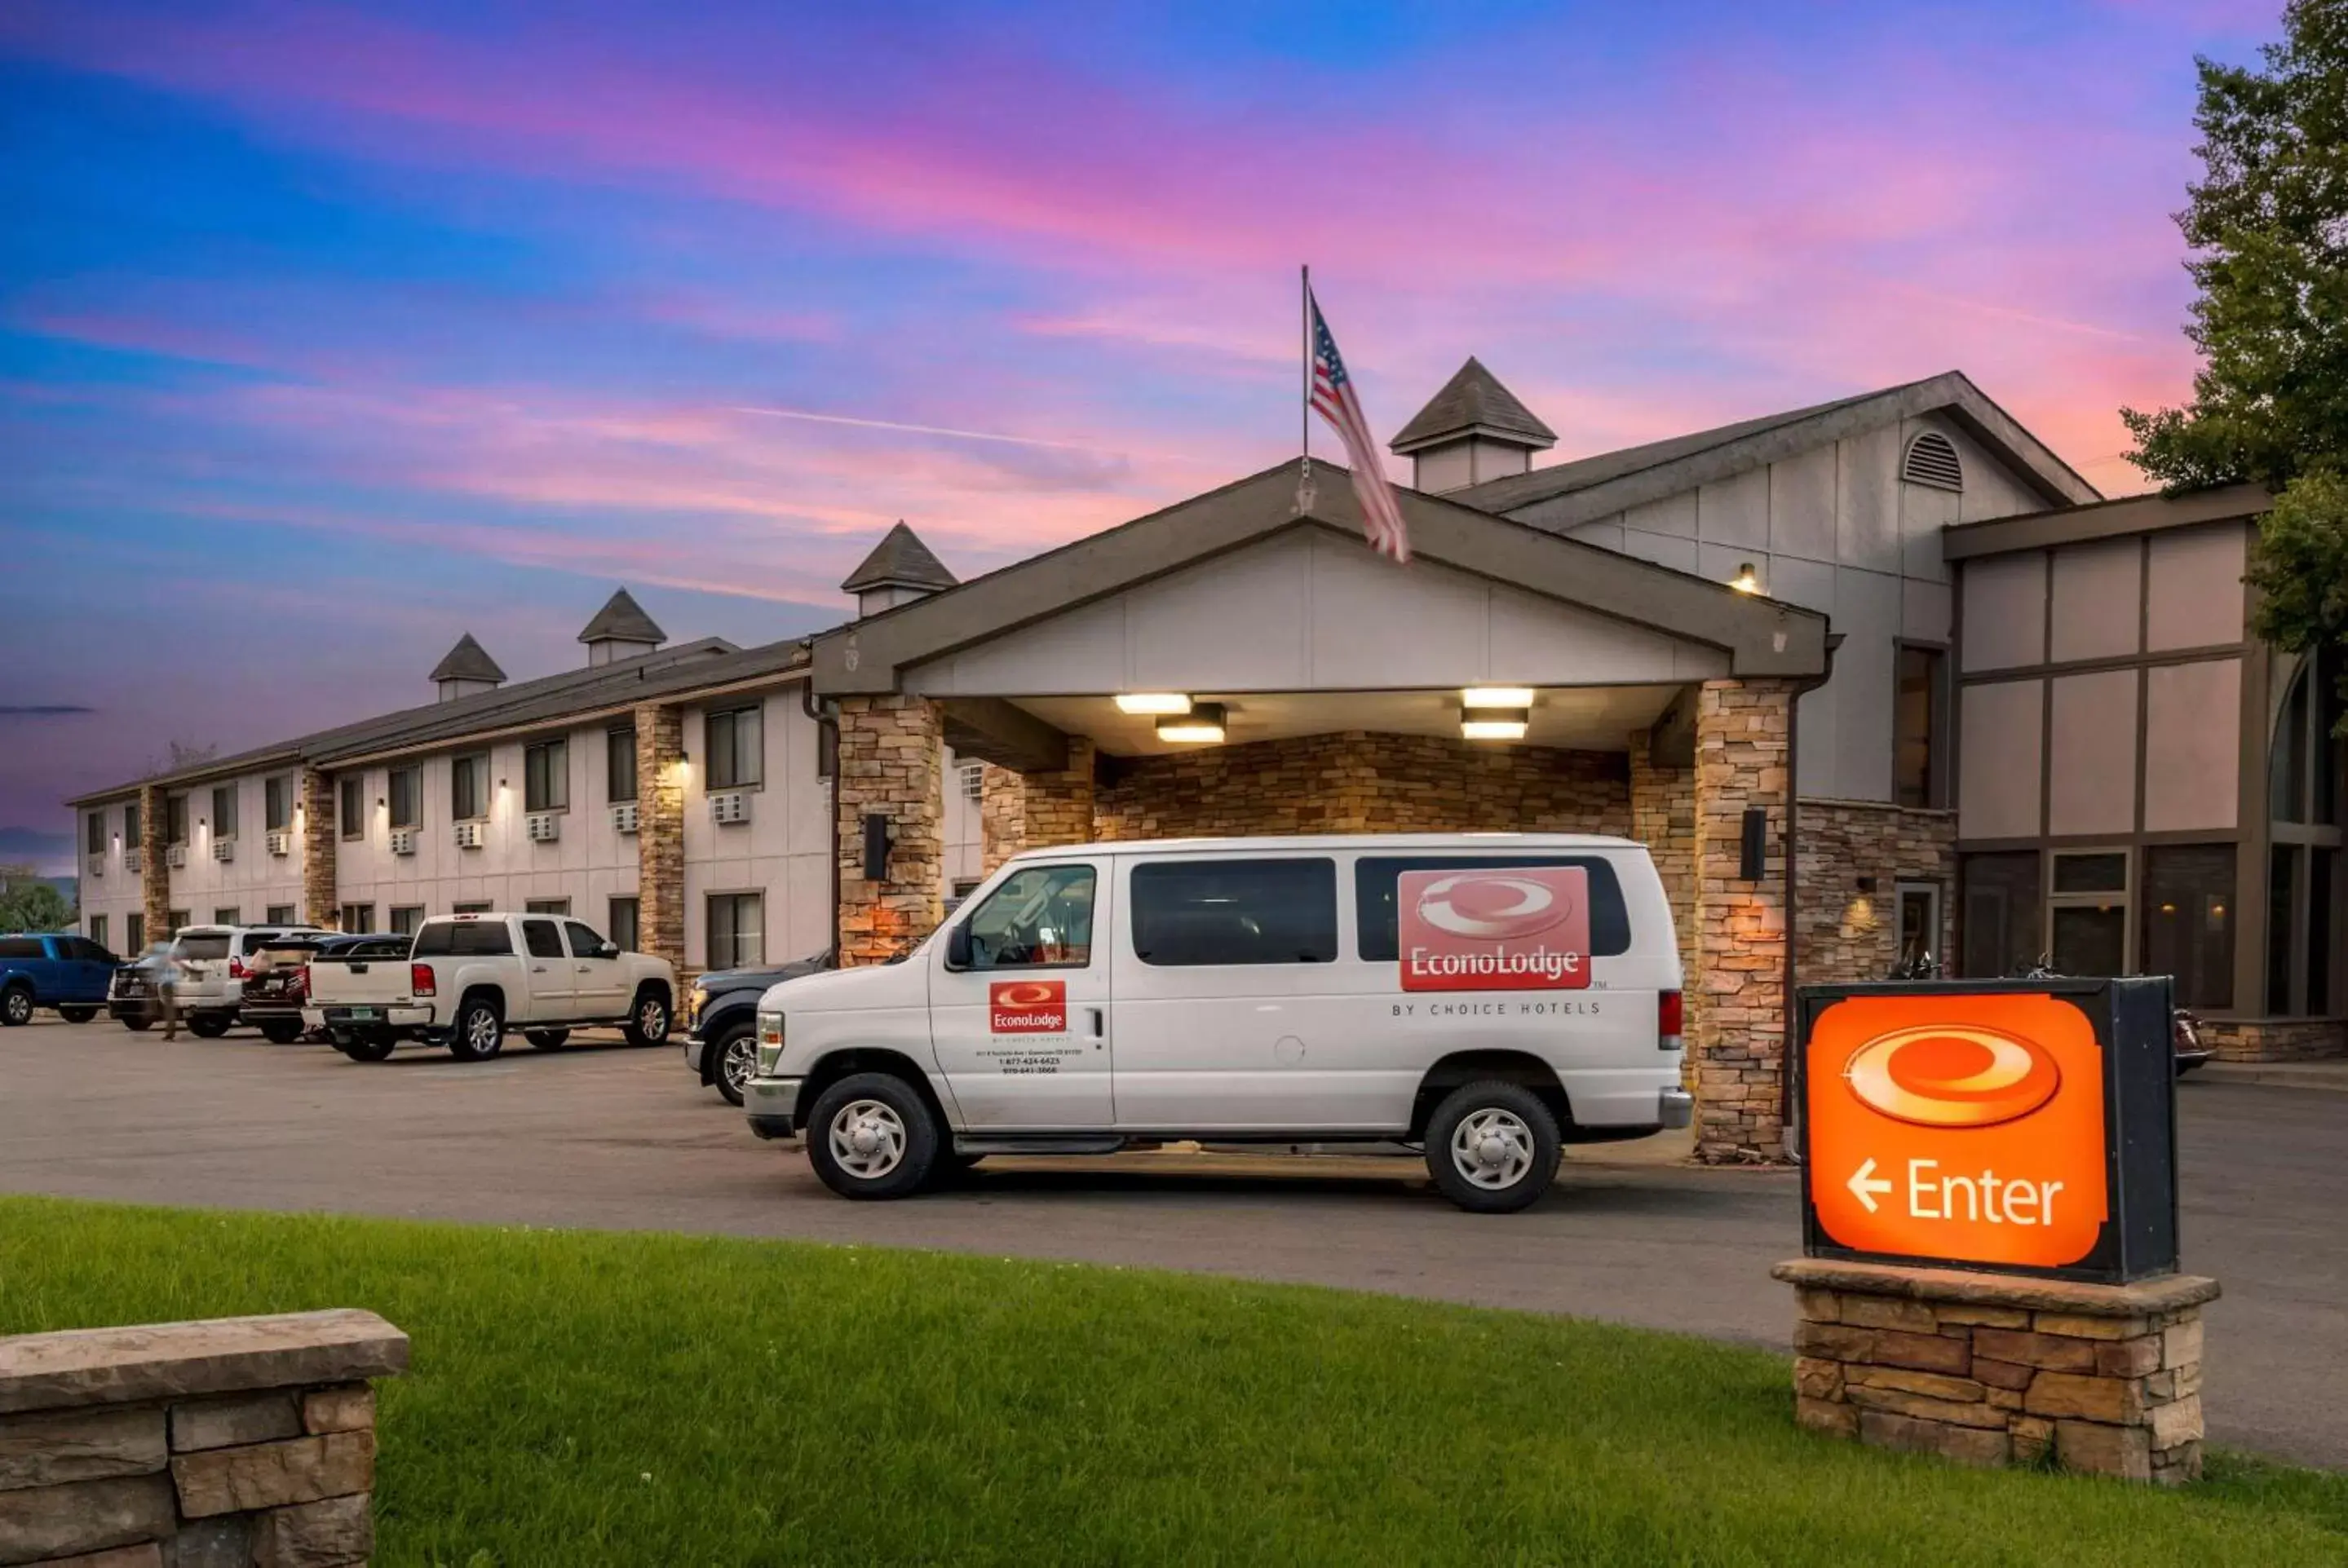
<point>2323,1077</point>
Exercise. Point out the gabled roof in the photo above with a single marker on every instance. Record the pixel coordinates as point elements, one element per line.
<point>1762,636</point>
<point>623,619</point>
<point>1472,402</point>
<point>1565,493</point>
<point>900,560</point>
<point>469,660</point>
<point>2102,520</point>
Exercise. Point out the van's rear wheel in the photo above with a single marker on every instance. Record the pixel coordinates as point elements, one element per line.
<point>872,1136</point>
<point>1492,1147</point>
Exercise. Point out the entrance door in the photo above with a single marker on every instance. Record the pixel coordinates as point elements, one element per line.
<point>1020,1026</point>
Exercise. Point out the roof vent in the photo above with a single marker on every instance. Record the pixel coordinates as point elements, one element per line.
<point>1933,460</point>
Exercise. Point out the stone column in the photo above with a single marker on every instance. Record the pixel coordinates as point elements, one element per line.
<point>891,750</point>
<point>1736,967</point>
<point>1662,817</point>
<point>1001,817</point>
<point>660,832</point>
<point>154,864</point>
<point>322,835</point>
<point>1060,805</point>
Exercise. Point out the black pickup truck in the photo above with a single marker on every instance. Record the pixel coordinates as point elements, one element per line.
<point>721,1042</point>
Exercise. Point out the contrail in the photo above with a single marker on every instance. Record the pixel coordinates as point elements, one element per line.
<point>926,429</point>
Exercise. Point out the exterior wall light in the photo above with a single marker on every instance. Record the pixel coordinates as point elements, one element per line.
<point>1202,722</point>
<point>1497,697</point>
<point>1173,703</point>
<point>1494,724</point>
<point>1745,581</point>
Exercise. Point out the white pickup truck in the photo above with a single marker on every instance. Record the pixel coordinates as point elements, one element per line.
<point>470,977</point>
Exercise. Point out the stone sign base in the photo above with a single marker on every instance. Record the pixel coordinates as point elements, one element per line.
<point>1995,1369</point>
<point>240,1442</point>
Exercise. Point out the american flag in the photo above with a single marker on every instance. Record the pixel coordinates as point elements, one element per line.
<point>1334,398</point>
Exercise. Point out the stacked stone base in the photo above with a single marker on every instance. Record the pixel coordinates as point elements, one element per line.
<point>1996,1369</point>
<point>2276,1039</point>
<point>239,1443</point>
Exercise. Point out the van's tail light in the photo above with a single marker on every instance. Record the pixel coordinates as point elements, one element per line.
<point>1670,1010</point>
<point>420,980</point>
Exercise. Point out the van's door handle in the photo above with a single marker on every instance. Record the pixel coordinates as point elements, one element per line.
<point>1095,1014</point>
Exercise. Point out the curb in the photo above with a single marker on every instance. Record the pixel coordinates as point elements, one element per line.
<point>2323,1078</point>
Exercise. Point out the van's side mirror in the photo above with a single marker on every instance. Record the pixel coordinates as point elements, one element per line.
<point>958,947</point>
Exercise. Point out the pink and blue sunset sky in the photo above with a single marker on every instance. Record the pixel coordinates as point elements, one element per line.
<point>328,332</point>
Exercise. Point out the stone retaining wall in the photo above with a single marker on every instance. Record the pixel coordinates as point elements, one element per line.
<point>239,1443</point>
<point>1993,1369</point>
<point>1842,934</point>
<point>2276,1039</point>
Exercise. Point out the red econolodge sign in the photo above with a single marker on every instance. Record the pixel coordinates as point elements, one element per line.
<point>1027,1007</point>
<point>1512,928</point>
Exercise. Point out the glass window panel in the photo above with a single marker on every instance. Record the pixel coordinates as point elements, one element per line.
<point>2188,920</point>
<point>175,818</point>
<point>353,806</point>
<point>224,812</point>
<point>1200,912</point>
<point>584,942</point>
<point>2282,889</point>
<point>406,918</point>
<point>620,764</point>
<point>277,804</point>
<point>2091,873</point>
<point>1918,716</point>
<point>407,797</point>
<point>623,923</point>
<point>546,776</point>
<point>2090,939</point>
<point>1999,934</point>
<point>542,937</point>
<point>1040,918</point>
<point>2287,758</point>
<point>94,833</point>
<point>131,826</point>
<point>2323,867</point>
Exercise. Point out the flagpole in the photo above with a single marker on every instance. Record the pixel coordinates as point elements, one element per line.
<point>1304,408</point>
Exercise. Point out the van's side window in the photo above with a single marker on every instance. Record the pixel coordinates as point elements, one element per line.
<point>1375,878</point>
<point>1195,912</point>
<point>1041,919</point>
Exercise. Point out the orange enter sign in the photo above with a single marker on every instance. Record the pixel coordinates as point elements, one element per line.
<point>1968,1128</point>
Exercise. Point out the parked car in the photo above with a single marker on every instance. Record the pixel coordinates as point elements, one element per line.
<point>212,964</point>
<point>277,980</point>
<point>468,978</point>
<point>52,969</point>
<point>721,1017</point>
<point>1487,997</point>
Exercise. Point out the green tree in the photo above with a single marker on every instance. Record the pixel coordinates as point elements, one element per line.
<point>2269,227</point>
<point>29,904</point>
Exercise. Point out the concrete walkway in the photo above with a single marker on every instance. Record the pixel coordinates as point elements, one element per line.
<point>2321,1076</point>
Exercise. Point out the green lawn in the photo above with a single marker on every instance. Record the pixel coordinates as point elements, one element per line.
<point>586,1398</point>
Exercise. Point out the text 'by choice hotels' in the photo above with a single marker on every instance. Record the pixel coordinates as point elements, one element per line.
<point>1513,928</point>
<point>1965,1128</point>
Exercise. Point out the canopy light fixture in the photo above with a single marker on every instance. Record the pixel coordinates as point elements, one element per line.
<point>1744,581</point>
<point>1497,697</point>
<point>1204,722</point>
<point>1494,724</point>
<point>1152,702</point>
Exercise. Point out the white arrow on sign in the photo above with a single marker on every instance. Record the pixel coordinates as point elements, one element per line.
<point>1865,1183</point>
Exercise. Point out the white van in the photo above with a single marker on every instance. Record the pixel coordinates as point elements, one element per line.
<point>1490,996</point>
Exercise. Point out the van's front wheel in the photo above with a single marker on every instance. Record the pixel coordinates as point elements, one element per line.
<point>872,1136</point>
<point>1492,1147</point>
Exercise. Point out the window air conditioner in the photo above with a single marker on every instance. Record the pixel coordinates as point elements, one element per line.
<point>403,841</point>
<point>732,806</point>
<point>281,842</point>
<point>97,866</point>
<point>623,816</point>
<point>177,854</point>
<point>469,835</point>
<point>133,861</point>
<point>544,827</point>
<point>223,849</point>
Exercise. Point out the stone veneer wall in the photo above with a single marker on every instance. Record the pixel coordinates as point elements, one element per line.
<point>1002,815</point>
<point>2276,1039</point>
<point>321,835</point>
<point>154,866</point>
<point>1357,781</point>
<point>237,1441</point>
<point>1842,934</point>
<point>1736,967</point>
<point>1059,807</point>
<point>660,833</point>
<point>890,752</point>
<point>1662,817</point>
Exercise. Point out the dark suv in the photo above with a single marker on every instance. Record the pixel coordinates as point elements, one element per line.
<point>277,979</point>
<point>721,1043</point>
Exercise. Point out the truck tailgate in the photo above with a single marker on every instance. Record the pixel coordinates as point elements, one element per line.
<point>337,982</point>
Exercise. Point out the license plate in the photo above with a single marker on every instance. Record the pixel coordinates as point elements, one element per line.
<point>364,1013</point>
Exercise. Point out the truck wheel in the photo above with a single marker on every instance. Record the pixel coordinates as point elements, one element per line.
<point>371,1047</point>
<point>738,1059</point>
<point>76,1015</point>
<point>1492,1147</point>
<point>479,1033</point>
<point>16,1006</point>
<point>280,1030</point>
<point>873,1136</point>
<point>648,1021</point>
<point>138,1022</point>
<point>546,1039</point>
<point>205,1026</point>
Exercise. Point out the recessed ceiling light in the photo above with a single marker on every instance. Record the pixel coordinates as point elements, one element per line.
<point>1203,723</point>
<point>1493,723</point>
<point>1152,702</point>
<point>1497,697</point>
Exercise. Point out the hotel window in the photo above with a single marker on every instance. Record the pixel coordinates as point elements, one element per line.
<point>736,748</point>
<point>224,812</point>
<point>281,915</point>
<point>1999,934</point>
<point>546,906</point>
<point>130,827</point>
<point>351,799</point>
<point>98,930</point>
<point>736,934</point>
<point>175,819</point>
<point>277,804</point>
<point>134,933</point>
<point>546,776</point>
<point>406,793</point>
<point>623,913</point>
<point>974,782</point>
<point>179,919</point>
<point>620,764</point>
<point>1921,719</point>
<point>94,833</point>
<point>2188,921</point>
<point>405,917</point>
<point>2087,912</point>
<point>476,908</point>
<point>358,917</point>
<point>468,787</point>
<point>227,915</point>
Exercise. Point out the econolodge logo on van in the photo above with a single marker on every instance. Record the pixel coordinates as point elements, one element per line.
<point>1513,928</point>
<point>1027,1007</point>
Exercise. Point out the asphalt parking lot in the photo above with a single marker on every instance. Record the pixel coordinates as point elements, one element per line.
<point>610,1137</point>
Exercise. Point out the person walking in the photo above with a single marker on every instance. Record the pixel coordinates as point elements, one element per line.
<point>162,973</point>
